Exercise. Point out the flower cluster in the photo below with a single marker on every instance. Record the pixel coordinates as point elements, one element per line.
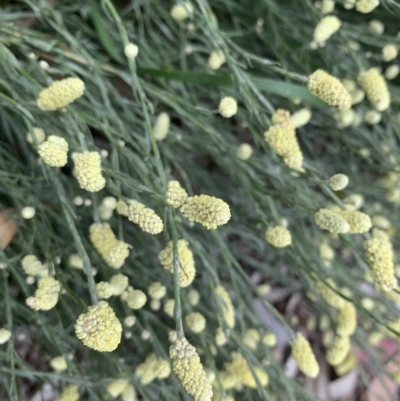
<point>54,151</point>
<point>175,195</point>
<point>113,251</point>
<point>329,89</point>
<point>189,370</point>
<point>207,210</point>
<point>153,368</point>
<point>185,260</point>
<point>69,393</point>
<point>376,89</point>
<point>326,28</point>
<point>46,295</point>
<point>146,218</point>
<point>304,356</point>
<point>196,322</point>
<point>278,236</point>
<point>99,328</point>
<point>88,171</point>
<point>281,137</point>
<point>60,94</point>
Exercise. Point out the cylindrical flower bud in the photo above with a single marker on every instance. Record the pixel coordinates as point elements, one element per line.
<point>373,117</point>
<point>175,195</point>
<point>359,222</point>
<point>304,356</point>
<point>69,393</point>
<point>32,266</point>
<point>88,171</point>
<point>346,320</point>
<point>227,107</point>
<point>54,151</point>
<point>327,6</point>
<point>376,88</point>
<point>189,370</point>
<point>60,94</point>
<point>278,236</point>
<point>207,210</point>
<point>193,297</point>
<point>326,28</point>
<point>331,221</point>
<point>46,295</point>
<point>99,328</point>
<point>338,182</point>
<point>161,126</point>
<point>146,218</point>
<point>329,89</point>
<point>392,71</point>
<point>379,255</point>
<point>186,266</point>
<point>169,307</point>
<point>338,350</point>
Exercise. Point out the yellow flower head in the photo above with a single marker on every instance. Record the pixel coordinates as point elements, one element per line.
<point>189,370</point>
<point>359,222</point>
<point>326,28</point>
<point>220,337</point>
<point>104,290</point>
<point>153,368</point>
<point>58,363</point>
<point>88,171</point>
<point>69,393</point>
<point>161,126</point>
<point>281,137</point>
<point>328,294</point>
<point>216,59</point>
<point>136,299</point>
<point>196,322</point>
<point>117,254</point>
<point>251,338</point>
<point>392,71</point>
<point>46,295</point>
<point>54,151</point>
<point>329,89</point>
<point>304,356</point>
<point>193,297</point>
<point>186,266</point>
<point>99,328</point>
<point>175,195</point>
<point>225,310</point>
<point>169,307</point>
<point>113,251</point>
<point>227,107</point>
<point>157,290</point>
<point>301,117</point>
<point>5,335</point>
<point>327,6</point>
<point>119,283</point>
<point>338,182</point>
<point>278,236</point>
<point>244,151</point>
<point>60,94</point>
<point>379,255</point>
<point>207,210</point>
<point>376,89</point>
<point>389,52</point>
<point>331,221</point>
<point>116,387</point>
<point>373,117</point>
<point>146,218</point>
<point>338,350</point>
<point>269,339</point>
<point>366,6</point>
<point>346,320</point>
<point>32,266</point>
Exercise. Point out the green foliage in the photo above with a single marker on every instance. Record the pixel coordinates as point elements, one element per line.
<point>267,47</point>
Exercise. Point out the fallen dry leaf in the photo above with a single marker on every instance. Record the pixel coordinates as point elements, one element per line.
<point>7,230</point>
